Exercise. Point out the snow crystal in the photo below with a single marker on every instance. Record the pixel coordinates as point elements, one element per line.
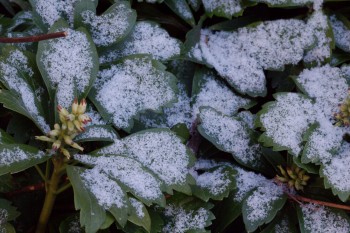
<point>16,63</point>
<point>214,93</point>
<point>108,27</point>
<point>146,38</point>
<point>260,202</point>
<point>51,10</point>
<point>16,154</point>
<point>228,7</point>
<point>215,181</point>
<point>341,34</point>
<point>287,119</point>
<point>138,206</point>
<point>106,190</point>
<point>317,27</point>
<point>230,134</point>
<point>68,63</point>
<point>319,219</point>
<point>183,221</point>
<point>337,171</point>
<point>247,181</point>
<point>137,81</point>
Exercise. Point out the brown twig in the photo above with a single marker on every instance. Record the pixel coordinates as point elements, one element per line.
<point>323,203</point>
<point>29,188</point>
<point>34,38</point>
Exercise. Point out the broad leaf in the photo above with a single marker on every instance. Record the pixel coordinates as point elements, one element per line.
<point>7,213</point>
<point>68,65</point>
<point>223,8</point>
<point>143,82</point>
<point>18,157</point>
<point>112,26</point>
<point>341,30</point>
<point>145,38</point>
<point>104,133</point>
<point>139,214</point>
<point>182,9</point>
<point>5,138</point>
<point>316,218</point>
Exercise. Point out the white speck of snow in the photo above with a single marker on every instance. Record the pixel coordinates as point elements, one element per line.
<point>260,202</point>
<point>68,63</point>
<point>51,10</point>
<point>10,70</point>
<point>106,191</point>
<point>287,119</point>
<point>183,221</point>
<point>138,206</point>
<point>214,93</point>
<point>230,134</point>
<point>138,82</point>
<point>107,28</point>
<point>247,181</point>
<point>337,171</point>
<point>146,38</point>
<point>341,34</point>
<point>16,154</point>
<point>319,219</point>
<point>228,7</point>
<point>215,181</point>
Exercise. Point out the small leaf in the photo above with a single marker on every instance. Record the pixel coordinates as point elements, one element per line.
<point>17,157</point>
<point>7,211</point>
<point>182,9</point>
<point>139,214</point>
<point>71,224</point>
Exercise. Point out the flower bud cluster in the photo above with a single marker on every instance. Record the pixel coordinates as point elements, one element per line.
<point>294,176</point>
<point>343,116</point>
<point>71,125</point>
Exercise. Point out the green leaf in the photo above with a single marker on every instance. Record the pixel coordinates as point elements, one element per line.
<point>142,81</point>
<point>224,8</point>
<point>17,157</point>
<point>139,214</point>
<point>7,183</point>
<point>195,4</point>
<point>68,65</point>
<point>231,135</point>
<point>285,3</point>
<point>95,133</point>
<point>8,212</point>
<point>281,223</point>
<point>5,138</point>
<point>71,222</point>
<point>110,27</point>
<point>262,205</point>
<point>182,9</point>
<point>317,218</point>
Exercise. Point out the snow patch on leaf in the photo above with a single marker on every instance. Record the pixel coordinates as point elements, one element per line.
<point>223,7</point>
<point>14,154</point>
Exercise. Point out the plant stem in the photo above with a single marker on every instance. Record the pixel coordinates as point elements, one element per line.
<point>50,194</point>
<point>40,173</point>
<point>34,38</point>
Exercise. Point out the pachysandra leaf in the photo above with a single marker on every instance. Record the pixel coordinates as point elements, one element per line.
<point>18,157</point>
<point>316,218</point>
<point>213,181</point>
<point>5,138</point>
<point>142,81</point>
<point>230,135</point>
<point>16,74</point>
<point>161,151</point>
<point>262,205</point>
<point>182,9</point>
<point>7,211</point>
<point>341,31</point>
<point>139,214</point>
<point>145,38</point>
<point>223,8</point>
<point>71,224</point>
<point>68,65</point>
<point>97,133</point>
<point>112,26</point>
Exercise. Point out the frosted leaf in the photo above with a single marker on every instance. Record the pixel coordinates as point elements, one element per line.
<point>317,218</point>
<point>247,117</point>
<point>318,27</point>
<point>138,206</point>
<point>68,65</point>
<point>146,38</point>
<point>97,133</point>
<point>19,19</point>
<point>112,26</point>
<point>182,9</point>
<point>341,33</point>
<point>214,93</point>
<point>337,172</point>
<point>286,120</point>
<point>52,10</point>
<point>139,80</point>
<point>241,56</point>
<point>185,220</point>
<point>290,3</point>
<point>282,226</point>
<point>229,135</point>
<point>225,8</point>
<point>15,75</point>
<point>159,150</point>
<point>3,216</point>
<point>96,118</point>
<point>125,170</point>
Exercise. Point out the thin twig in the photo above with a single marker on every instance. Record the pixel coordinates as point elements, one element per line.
<point>324,203</point>
<point>29,188</point>
<point>34,38</point>
<point>40,172</point>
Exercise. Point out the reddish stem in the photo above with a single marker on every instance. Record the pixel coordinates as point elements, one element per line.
<point>34,38</point>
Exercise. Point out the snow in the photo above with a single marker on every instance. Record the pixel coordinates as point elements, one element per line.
<point>319,219</point>
<point>110,26</point>
<point>68,63</point>
<point>138,206</point>
<point>137,81</point>
<point>96,132</point>
<point>341,33</point>
<point>8,156</point>
<point>146,38</point>
<point>215,181</point>
<point>3,216</point>
<point>183,221</point>
<point>228,7</point>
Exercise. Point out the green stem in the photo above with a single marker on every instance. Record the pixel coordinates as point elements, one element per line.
<point>40,173</point>
<point>50,194</point>
<point>63,188</point>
